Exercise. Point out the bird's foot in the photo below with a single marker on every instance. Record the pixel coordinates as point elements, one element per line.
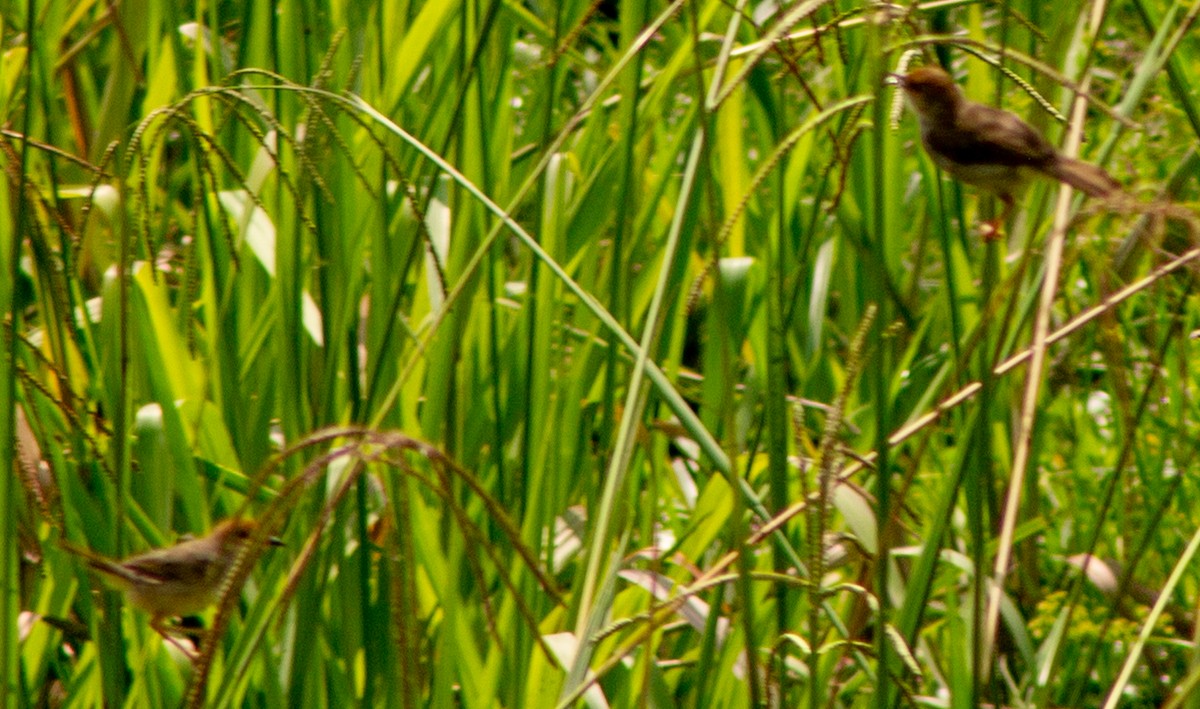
<point>186,640</point>
<point>990,230</point>
<point>191,652</point>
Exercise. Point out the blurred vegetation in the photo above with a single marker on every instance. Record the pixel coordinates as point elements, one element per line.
<point>598,353</point>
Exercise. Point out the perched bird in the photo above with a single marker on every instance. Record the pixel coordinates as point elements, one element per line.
<point>177,580</point>
<point>987,147</point>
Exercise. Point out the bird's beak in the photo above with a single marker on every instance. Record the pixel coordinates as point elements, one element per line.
<point>275,542</point>
<point>897,79</point>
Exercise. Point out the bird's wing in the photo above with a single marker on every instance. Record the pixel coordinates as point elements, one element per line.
<point>1009,140</point>
<point>160,567</point>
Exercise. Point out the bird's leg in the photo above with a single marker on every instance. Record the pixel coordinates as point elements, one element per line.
<point>993,228</point>
<point>169,634</point>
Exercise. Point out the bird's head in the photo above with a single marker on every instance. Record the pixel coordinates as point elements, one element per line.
<point>931,91</point>
<point>232,533</point>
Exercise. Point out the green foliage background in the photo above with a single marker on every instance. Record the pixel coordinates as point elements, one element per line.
<point>564,343</point>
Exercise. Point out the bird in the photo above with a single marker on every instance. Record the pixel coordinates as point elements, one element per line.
<point>178,580</point>
<point>990,148</point>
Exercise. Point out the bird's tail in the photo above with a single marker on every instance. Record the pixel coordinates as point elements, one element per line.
<point>116,573</point>
<point>1085,177</point>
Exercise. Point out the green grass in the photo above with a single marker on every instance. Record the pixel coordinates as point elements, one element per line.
<point>585,361</point>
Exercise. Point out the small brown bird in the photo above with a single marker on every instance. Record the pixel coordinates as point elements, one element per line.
<point>177,580</point>
<point>987,147</point>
